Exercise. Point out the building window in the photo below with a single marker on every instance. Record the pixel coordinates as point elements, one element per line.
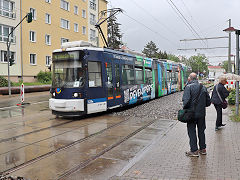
<point>76,10</point>
<point>93,4</point>
<point>33,60</point>
<point>84,13</point>
<point>92,19</point>
<point>48,39</point>
<point>48,1</point>
<point>48,60</point>
<point>34,14</point>
<point>75,27</point>
<point>64,23</point>
<point>32,36</point>
<point>48,18</point>
<point>94,74</point>
<point>7,8</point>
<point>84,29</point>
<point>3,57</point>
<point>4,31</point>
<point>92,35</point>
<point>63,40</point>
<point>65,5</point>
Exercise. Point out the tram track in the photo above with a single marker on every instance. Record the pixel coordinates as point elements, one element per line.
<point>88,161</point>
<point>83,163</point>
<point>35,131</point>
<point>21,166</point>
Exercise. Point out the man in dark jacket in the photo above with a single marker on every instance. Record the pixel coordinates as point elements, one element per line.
<point>189,97</point>
<point>223,93</point>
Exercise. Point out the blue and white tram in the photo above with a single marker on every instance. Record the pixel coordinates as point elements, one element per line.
<point>88,80</point>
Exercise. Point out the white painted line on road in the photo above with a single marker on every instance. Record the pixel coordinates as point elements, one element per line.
<point>10,107</point>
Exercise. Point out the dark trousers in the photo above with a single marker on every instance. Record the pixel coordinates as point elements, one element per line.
<point>218,108</point>
<point>191,127</point>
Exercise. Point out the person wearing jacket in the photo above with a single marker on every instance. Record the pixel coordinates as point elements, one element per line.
<point>189,97</point>
<point>223,92</point>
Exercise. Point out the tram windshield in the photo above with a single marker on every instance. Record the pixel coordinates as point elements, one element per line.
<point>68,71</point>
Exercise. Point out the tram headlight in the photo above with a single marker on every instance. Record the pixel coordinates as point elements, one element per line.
<point>76,95</point>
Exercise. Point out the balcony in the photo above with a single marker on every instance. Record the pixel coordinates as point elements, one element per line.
<point>93,38</point>
<point>93,6</point>
<point>7,13</point>
<point>4,38</point>
<point>92,22</point>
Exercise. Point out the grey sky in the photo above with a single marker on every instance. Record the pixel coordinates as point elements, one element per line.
<point>166,29</point>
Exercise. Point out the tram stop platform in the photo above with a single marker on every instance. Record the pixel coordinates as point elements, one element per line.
<point>166,159</point>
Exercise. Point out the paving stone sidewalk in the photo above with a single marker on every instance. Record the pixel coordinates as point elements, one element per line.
<point>166,158</point>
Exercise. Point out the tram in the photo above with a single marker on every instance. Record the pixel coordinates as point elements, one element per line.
<point>87,79</point>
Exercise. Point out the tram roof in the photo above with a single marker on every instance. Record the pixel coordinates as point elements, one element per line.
<point>94,49</point>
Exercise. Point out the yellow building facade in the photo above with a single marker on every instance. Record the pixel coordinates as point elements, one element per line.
<point>54,22</point>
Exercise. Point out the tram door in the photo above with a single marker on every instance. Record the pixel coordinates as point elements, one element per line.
<point>113,83</point>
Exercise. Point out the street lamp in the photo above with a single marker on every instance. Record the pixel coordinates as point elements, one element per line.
<point>229,30</point>
<point>237,32</point>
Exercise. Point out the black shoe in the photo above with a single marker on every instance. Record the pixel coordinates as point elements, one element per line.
<point>216,128</point>
<point>222,124</point>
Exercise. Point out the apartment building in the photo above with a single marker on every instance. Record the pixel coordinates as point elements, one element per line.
<point>54,22</point>
<point>9,18</point>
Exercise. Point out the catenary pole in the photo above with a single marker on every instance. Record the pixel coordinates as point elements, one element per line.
<point>229,49</point>
<point>237,71</point>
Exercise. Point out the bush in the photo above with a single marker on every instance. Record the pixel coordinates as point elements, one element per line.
<point>44,77</point>
<point>232,97</point>
<point>4,82</point>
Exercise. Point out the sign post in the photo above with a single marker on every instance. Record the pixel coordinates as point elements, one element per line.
<point>22,93</point>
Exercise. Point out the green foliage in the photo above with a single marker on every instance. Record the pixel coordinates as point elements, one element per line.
<point>232,97</point>
<point>4,82</point>
<point>234,117</point>
<point>172,57</point>
<point>225,65</point>
<point>162,55</point>
<point>150,50</point>
<point>114,33</point>
<point>44,77</point>
<point>198,63</point>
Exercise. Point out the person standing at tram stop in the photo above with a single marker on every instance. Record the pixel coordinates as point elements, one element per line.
<point>189,96</point>
<point>217,102</point>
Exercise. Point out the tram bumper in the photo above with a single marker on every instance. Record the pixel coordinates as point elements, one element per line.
<point>66,105</point>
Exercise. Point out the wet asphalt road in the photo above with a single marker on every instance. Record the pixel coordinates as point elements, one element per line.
<point>37,145</point>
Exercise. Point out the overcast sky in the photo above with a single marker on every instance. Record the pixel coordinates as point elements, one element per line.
<point>156,20</point>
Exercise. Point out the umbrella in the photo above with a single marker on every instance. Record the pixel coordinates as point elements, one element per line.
<point>230,76</point>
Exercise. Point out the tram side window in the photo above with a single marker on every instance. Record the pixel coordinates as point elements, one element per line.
<point>139,75</point>
<point>94,74</point>
<point>148,74</point>
<point>127,75</point>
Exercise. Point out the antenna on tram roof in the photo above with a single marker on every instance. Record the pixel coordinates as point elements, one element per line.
<point>102,19</point>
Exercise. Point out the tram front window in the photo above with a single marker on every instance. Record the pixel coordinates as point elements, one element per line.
<point>68,74</point>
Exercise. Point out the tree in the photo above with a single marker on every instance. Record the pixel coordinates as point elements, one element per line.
<point>199,63</point>
<point>150,50</point>
<point>225,65</point>
<point>114,34</point>
<point>172,57</point>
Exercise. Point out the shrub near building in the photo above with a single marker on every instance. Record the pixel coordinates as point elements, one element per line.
<point>4,82</point>
<point>44,77</point>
